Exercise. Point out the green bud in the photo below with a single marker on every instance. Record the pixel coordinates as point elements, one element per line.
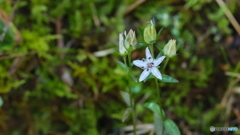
<point>130,39</point>
<point>169,49</point>
<point>126,40</point>
<point>149,33</point>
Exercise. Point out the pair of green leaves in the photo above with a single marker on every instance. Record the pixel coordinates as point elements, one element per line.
<point>169,125</point>
<point>127,100</point>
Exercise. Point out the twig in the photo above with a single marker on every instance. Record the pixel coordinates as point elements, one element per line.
<point>8,22</point>
<point>133,6</point>
<point>60,41</point>
<point>204,35</point>
<point>232,74</point>
<point>229,15</point>
<point>229,92</point>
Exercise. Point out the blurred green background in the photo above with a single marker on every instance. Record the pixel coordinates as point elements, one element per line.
<point>59,75</point>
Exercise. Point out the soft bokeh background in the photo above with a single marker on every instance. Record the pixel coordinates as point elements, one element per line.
<point>59,75</point>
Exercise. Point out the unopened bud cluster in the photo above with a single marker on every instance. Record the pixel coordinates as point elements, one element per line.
<point>126,40</point>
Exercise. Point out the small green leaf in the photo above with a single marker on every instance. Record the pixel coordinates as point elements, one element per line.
<point>126,97</point>
<point>124,66</point>
<point>160,31</point>
<point>155,108</point>
<point>141,44</point>
<point>140,30</point>
<point>1,101</point>
<point>126,113</point>
<point>171,127</point>
<point>169,79</point>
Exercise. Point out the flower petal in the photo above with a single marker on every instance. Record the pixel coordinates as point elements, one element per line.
<point>140,63</point>
<point>144,74</point>
<point>122,49</point>
<point>148,55</point>
<point>156,73</point>
<point>157,61</point>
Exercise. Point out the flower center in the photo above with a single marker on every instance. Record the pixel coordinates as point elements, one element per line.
<point>149,65</point>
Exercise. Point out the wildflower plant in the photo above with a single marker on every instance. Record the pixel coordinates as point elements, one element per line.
<point>151,70</point>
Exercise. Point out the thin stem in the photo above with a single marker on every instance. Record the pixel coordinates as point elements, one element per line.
<point>152,51</point>
<point>125,61</point>
<point>129,61</point>
<point>131,94</point>
<point>158,90</point>
<point>165,64</point>
<point>133,111</point>
<point>159,103</point>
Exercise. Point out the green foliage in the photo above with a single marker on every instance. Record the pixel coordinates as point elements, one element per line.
<point>126,114</point>
<point>6,82</point>
<point>1,102</point>
<point>171,127</point>
<point>10,34</point>
<point>35,93</point>
<point>126,97</point>
<point>156,109</point>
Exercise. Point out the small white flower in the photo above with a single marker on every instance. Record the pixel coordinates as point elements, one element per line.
<point>149,65</point>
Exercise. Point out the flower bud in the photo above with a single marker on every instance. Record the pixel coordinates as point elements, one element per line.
<point>130,39</point>
<point>170,48</point>
<point>122,48</point>
<point>149,33</point>
<point>126,40</point>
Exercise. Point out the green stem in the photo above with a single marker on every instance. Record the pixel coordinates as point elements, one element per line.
<point>159,103</point>
<point>158,91</point>
<point>165,63</point>
<point>131,94</point>
<point>151,49</point>
<point>133,111</point>
<point>125,61</point>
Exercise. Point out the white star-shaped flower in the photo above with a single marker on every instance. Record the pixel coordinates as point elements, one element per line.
<point>149,65</point>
